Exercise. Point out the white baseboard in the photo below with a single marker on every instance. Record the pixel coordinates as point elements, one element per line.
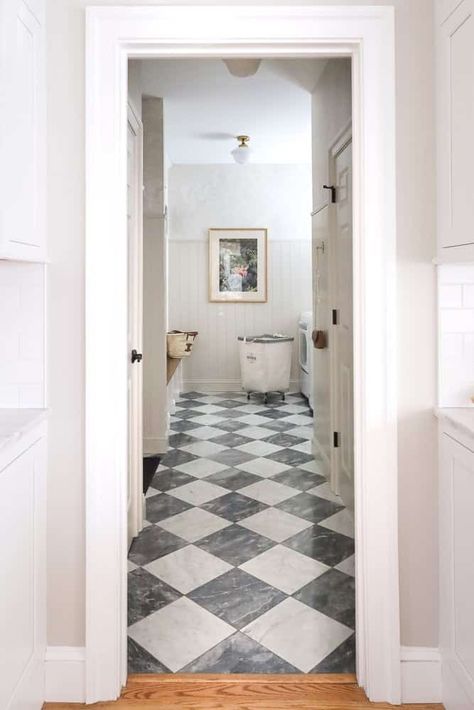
<point>223,386</point>
<point>65,674</point>
<point>420,674</point>
<point>158,445</point>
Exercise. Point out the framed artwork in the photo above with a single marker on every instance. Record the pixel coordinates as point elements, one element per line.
<point>238,265</point>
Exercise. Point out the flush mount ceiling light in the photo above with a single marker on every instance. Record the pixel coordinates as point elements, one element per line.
<point>242,153</point>
<point>242,67</point>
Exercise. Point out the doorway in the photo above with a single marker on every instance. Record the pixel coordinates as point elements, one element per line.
<point>244,533</point>
<point>287,31</point>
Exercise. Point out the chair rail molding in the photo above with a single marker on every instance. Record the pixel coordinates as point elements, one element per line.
<point>366,34</point>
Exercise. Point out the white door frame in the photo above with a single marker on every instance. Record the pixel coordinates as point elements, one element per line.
<point>366,34</point>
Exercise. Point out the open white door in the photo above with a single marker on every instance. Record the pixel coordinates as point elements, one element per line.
<point>342,384</point>
<point>135,500</point>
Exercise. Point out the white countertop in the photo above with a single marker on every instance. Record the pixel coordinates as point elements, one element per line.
<point>461,417</point>
<point>15,422</point>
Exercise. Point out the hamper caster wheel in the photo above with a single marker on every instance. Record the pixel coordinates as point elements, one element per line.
<point>283,396</point>
<point>265,399</point>
<point>248,395</point>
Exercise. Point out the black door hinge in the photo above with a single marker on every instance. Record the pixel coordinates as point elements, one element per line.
<point>335,439</point>
<point>333,192</point>
<point>334,316</point>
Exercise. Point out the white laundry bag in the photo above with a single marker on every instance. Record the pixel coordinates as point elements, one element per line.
<point>265,363</point>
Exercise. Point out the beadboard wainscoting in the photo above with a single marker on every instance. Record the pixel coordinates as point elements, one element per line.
<point>214,364</point>
<point>22,318</point>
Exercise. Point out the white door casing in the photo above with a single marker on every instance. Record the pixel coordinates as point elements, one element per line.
<point>341,329</point>
<point>135,323</point>
<point>366,34</point>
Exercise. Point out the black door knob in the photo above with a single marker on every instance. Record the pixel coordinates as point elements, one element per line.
<point>136,356</point>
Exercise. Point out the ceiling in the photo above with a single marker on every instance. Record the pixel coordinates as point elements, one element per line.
<point>205,107</point>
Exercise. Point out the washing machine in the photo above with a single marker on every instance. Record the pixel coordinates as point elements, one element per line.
<point>305,355</point>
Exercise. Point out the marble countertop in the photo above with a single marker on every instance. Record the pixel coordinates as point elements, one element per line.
<point>15,422</point>
<point>460,417</point>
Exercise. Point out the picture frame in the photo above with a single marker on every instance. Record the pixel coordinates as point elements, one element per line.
<point>238,267</point>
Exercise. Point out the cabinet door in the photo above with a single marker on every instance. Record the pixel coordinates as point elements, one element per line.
<point>457,573</point>
<point>22,228</point>
<point>22,561</point>
<point>455,74</point>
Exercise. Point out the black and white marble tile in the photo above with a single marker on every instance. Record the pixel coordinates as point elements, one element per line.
<point>246,560</point>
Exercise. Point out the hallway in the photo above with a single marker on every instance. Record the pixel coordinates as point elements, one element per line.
<point>246,562</point>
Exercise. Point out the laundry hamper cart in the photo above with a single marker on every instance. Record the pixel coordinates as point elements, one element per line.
<point>265,364</point>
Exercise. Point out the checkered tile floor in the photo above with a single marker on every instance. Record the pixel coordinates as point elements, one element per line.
<point>246,562</point>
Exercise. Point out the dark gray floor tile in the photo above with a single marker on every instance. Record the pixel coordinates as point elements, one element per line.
<point>230,403</point>
<point>183,425</point>
<point>299,478</point>
<point>239,654</point>
<point>291,457</point>
<point>140,661</point>
<point>231,457</point>
<point>231,439</point>
<point>164,506</point>
<point>232,414</point>
<point>176,441</point>
<point>284,439</point>
<point>310,507</point>
<point>322,544</point>
<point>170,478</point>
<point>229,425</point>
<point>273,413</point>
<point>341,660</point>
<point>146,594</point>
<point>233,478</point>
<point>175,457</point>
<point>237,597</point>
<point>333,594</point>
<point>235,544</point>
<point>152,543</point>
<point>278,425</point>
<point>189,413</point>
<point>190,395</point>
<point>234,507</point>
<point>189,403</point>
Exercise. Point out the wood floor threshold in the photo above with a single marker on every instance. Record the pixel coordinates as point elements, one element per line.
<point>241,692</point>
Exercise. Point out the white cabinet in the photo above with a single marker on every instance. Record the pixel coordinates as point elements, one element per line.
<point>457,567</point>
<point>455,122</point>
<point>22,565</point>
<point>22,130</point>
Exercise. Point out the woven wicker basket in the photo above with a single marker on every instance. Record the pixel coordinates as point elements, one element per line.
<point>180,343</point>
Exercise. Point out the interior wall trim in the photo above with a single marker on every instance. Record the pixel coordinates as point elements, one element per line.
<point>420,669</point>
<point>64,673</point>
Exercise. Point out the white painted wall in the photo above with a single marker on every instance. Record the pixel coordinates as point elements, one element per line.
<point>416,247</point>
<point>331,111</point>
<point>202,196</point>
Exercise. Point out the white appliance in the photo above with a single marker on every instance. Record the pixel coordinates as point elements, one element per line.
<point>305,355</point>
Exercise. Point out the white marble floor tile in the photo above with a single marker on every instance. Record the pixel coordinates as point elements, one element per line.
<point>193,524</point>
<point>284,569</point>
<point>297,633</point>
<point>151,492</point>
<point>200,468</point>
<point>259,448</point>
<point>256,432</point>
<point>252,408</point>
<point>198,492</point>
<point>206,419</point>
<point>275,524</point>
<point>341,522</point>
<point>305,447</point>
<point>299,419</point>
<point>205,432</point>
<point>269,492</point>
<point>254,420</point>
<point>203,448</point>
<point>347,566</point>
<point>179,633</point>
<point>263,467</point>
<point>131,566</point>
<point>324,491</point>
<point>188,568</point>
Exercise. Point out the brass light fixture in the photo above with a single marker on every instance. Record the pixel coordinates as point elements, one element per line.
<point>242,153</point>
